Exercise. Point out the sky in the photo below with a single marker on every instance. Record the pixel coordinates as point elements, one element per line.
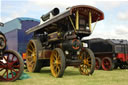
<point>114,25</point>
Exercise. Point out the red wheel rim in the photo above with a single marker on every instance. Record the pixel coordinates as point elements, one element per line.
<point>106,64</point>
<point>97,65</point>
<point>9,67</point>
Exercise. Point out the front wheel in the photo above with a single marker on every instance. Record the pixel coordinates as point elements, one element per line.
<point>57,62</point>
<point>87,65</point>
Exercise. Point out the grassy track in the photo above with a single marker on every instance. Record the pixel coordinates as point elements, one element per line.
<point>73,77</point>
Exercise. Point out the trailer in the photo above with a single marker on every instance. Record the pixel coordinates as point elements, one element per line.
<point>110,53</point>
<point>14,31</point>
<point>57,40</point>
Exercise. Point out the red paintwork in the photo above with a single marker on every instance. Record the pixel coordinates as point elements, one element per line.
<point>106,64</point>
<point>75,40</point>
<point>123,57</point>
<point>9,67</point>
<point>85,9</point>
<point>45,54</point>
<point>97,65</point>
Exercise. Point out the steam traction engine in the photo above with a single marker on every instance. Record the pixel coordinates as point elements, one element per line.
<point>109,53</point>
<point>11,63</point>
<point>57,40</point>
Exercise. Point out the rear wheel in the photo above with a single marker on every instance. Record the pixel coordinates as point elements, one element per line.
<point>11,66</point>
<point>32,61</point>
<point>107,63</point>
<point>98,63</point>
<point>57,62</point>
<point>87,65</point>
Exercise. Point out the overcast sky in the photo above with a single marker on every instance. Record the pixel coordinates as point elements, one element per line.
<point>114,26</point>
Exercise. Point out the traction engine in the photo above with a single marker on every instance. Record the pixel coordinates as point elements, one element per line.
<point>11,63</point>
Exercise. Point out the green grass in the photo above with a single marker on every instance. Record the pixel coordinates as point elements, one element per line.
<point>73,77</point>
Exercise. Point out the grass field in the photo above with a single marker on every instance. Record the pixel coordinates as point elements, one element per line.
<point>73,77</point>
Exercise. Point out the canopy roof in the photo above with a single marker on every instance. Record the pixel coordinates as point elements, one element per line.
<point>83,10</point>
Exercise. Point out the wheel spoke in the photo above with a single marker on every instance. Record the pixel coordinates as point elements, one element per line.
<point>1,69</point>
<point>13,57</point>
<point>28,57</point>
<point>86,70</point>
<point>5,58</point>
<point>58,67</point>
<point>2,66</point>
<point>7,74</point>
<point>55,69</point>
<point>1,62</point>
<point>30,64</point>
<point>58,57</point>
<point>4,73</point>
<point>14,71</point>
<point>55,55</point>
<point>12,74</point>
<point>16,66</point>
<point>31,45</point>
<point>59,62</point>
<point>87,57</point>
<point>89,65</point>
<point>30,50</point>
<point>54,64</point>
<point>82,67</point>
<point>14,62</point>
<point>54,59</point>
